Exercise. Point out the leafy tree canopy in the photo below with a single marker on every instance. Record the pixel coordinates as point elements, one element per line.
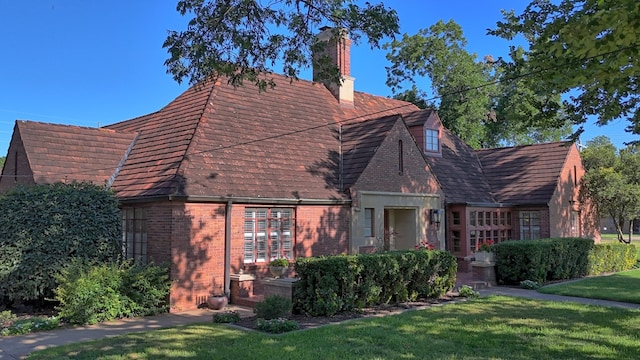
<point>612,181</point>
<point>2,159</point>
<point>586,50</point>
<point>245,39</point>
<point>474,101</point>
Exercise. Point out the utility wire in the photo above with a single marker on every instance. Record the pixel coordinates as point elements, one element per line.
<point>355,119</point>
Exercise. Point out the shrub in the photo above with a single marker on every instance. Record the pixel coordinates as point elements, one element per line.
<point>226,317</point>
<point>94,293</point>
<point>33,324</point>
<point>529,284</point>
<point>276,326</point>
<point>541,260</point>
<point>328,285</point>
<point>606,258</point>
<point>468,292</point>
<point>273,307</point>
<point>280,262</point>
<point>43,227</point>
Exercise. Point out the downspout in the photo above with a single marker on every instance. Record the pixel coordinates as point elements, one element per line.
<point>227,249</point>
<point>340,165</point>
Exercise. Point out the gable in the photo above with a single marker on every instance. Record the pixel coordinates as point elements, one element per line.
<point>16,167</point>
<point>394,162</point>
<point>54,153</point>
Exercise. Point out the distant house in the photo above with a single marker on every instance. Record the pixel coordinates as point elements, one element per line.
<point>222,179</point>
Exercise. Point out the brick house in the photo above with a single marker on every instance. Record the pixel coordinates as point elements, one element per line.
<point>222,179</point>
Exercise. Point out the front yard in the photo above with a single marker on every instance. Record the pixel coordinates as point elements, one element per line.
<point>623,286</point>
<point>492,327</point>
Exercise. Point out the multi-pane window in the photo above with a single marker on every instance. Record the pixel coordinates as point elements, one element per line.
<point>456,240</point>
<point>268,234</point>
<point>431,142</point>
<point>134,234</point>
<point>369,226</point>
<point>455,217</point>
<point>529,225</point>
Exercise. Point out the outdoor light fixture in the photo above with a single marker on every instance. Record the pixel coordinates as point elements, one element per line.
<point>435,217</point>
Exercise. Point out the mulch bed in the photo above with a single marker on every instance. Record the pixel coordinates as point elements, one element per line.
<point>309,322</point>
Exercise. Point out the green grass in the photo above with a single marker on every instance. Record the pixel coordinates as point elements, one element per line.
<point>486,328</point>
<point>622,286</point>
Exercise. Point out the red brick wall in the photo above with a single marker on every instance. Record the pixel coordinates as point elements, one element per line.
<point>193,237</point>
<point>16,155</point>
<point>382,173</point>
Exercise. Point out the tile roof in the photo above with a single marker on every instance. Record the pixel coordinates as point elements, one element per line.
<point>360,142</point>
<point>524,174</point>
<point>459,172</point>
<point>65,153</point>
<point>217,140</point>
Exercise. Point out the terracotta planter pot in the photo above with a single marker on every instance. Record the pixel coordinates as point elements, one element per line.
<point>217,302</point>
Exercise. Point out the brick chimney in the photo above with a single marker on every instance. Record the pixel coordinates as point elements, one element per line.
<point>339,51</point>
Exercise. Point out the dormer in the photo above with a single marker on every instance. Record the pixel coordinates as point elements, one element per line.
<point>426,128</point>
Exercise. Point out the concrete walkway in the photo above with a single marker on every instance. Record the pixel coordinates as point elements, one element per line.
<point>18,347</point>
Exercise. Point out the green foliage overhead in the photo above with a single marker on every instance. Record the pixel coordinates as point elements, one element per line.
<point>2,160</point>
<point>587,49</point>
<point>244,39</point>
<point>43,227</point>
<point>612,182</point>
<point>473,98</point>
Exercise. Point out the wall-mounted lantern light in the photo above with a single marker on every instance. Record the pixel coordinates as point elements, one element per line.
<point>435,217</point>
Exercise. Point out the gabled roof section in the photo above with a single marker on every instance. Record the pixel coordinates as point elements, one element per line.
<point>524,174</point>
<point>217,140</point>
<point>418,118</point>
<point>152,167</point>
<point>360,141</point>
<point>459,172</point>
<point>65,153</point>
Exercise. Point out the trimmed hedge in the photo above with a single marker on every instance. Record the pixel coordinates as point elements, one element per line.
<point>43,227</point>
<point>329,285</point>
<point>553,259</point>
<point>605,258</point>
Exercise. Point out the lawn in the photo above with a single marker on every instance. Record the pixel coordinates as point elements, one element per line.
<point>622,286</point>
<point>492,327</point>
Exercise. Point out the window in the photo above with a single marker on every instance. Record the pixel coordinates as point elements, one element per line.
<point>134,234</point>
<point>480,218</point>
<point>456,241</point>
<point>456,217</point>
<point>431,141</point>
<point>473,241</point>
<point>369,225</point>
<point>472,218</point>
<point>268,234</point>
<point>529,225</point>
<point>495,218</point>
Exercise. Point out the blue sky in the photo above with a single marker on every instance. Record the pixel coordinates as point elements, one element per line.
<point>91,63</point>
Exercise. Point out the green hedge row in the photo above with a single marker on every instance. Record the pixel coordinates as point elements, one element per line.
<point>102,292</point>
<point>547,260</point>
<point>328,285</point>
<point>606,258</point>
<point>43,227</point>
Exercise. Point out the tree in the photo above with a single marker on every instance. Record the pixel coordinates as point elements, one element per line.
<point>2,160</point>
<point>244,39</point>
<point>474,101</point>
<point>612,182</point>
<point>585,50</point>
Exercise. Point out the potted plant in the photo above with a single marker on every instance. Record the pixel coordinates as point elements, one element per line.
<point>278,266</point>
<point>484,252</point>
<point>217,299</point>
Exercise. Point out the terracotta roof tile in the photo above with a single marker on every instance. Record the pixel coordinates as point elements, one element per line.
<point>524,174</point>
<point>218,140</point>
<point>459,172</point>
<point>65,153</point>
